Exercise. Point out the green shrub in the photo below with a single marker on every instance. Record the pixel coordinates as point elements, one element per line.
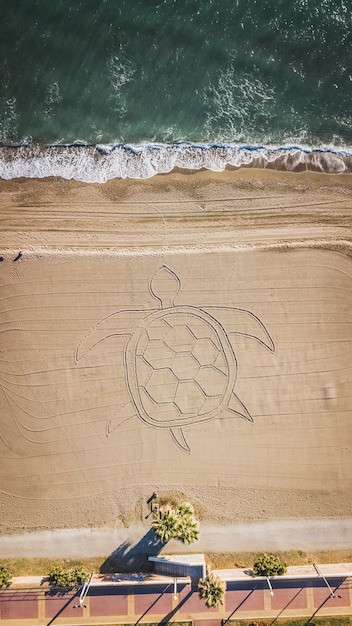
<point>80,575</point>
<point>269,565</point>
<point>212,590</point>
<point>60,577</point>
<point>5,577</point>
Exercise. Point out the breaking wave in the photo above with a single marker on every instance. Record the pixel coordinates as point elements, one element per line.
<point>97,164</point>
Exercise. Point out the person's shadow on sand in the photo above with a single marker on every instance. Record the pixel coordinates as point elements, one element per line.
<point>133,558</point>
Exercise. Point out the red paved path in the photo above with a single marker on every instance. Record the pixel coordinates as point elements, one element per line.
<point>154,602</point>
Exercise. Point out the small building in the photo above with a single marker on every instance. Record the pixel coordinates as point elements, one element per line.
<point>180,565</point>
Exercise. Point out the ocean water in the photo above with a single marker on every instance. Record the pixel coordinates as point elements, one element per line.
<point>95,89</point>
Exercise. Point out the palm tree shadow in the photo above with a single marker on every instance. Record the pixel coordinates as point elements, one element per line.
<point>133,558</point>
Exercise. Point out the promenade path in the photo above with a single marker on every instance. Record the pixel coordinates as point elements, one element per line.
<point>304,534</point>
<point>137,599</point>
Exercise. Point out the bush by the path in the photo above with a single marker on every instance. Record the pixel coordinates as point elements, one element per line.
<point>5,577</point>
<point>269,565</point>
<point>60,577</point>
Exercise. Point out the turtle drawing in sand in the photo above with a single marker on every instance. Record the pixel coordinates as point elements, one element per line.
<point>180,364</point>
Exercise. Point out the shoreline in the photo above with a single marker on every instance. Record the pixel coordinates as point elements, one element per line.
<point>99,164</point>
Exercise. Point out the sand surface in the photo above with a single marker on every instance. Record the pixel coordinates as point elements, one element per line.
<point>190,333</point>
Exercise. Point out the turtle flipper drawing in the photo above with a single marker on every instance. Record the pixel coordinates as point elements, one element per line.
<point>180,365</point>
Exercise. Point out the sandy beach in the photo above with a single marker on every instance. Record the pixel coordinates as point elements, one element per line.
<point>190,334</point>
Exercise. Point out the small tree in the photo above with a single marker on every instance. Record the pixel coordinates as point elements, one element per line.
<point>269,565</point>
<point>60,577</point>
<point>5,577</point>
<point>212,590</point>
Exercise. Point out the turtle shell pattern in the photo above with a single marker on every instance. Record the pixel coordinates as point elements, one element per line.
<point>180,367</point>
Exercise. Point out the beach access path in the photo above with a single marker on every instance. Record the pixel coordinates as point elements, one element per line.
<point>134,599</point>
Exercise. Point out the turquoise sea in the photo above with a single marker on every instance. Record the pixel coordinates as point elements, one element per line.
<point>96,89</point>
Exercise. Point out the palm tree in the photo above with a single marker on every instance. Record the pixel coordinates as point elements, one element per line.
<point>212,590</point>
<point>177,523</point>
<point>188,531</point>
<point>185,510</point>
<point>166,524</point>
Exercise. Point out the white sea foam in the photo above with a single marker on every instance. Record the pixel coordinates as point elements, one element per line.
<point>239,105</point>
<point>97,164</point>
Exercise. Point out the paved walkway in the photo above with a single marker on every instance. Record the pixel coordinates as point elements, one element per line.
<point>255,536</point>
<point>139,599</point>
